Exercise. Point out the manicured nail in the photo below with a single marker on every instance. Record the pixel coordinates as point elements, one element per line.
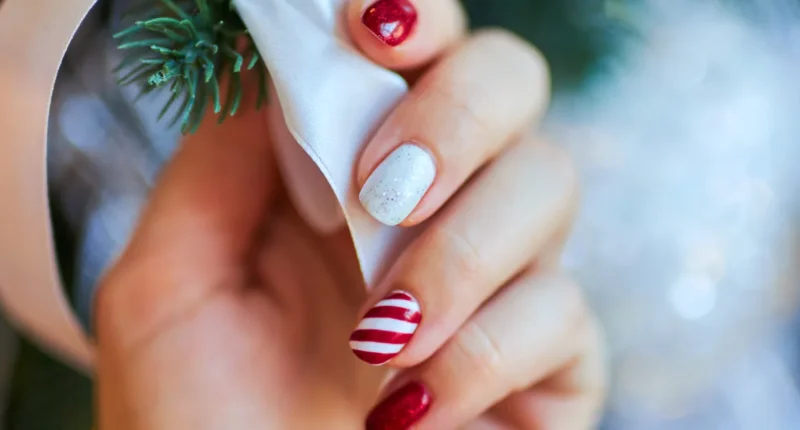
<point>398,184</point>
<point>390,20</point>
<point>401,409</point>
<point>386,328</point>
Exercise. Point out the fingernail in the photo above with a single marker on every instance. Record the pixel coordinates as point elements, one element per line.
<point>398,184</point>
<point>401,409</point>
<point>386,328</point>
<point>390,20</point>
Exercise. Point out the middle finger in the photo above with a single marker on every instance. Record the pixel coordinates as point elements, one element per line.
<point>459,115</point>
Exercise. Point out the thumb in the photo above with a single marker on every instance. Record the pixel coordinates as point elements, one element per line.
<point>197,230</point>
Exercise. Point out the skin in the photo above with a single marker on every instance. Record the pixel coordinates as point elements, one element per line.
<point>227,312</point>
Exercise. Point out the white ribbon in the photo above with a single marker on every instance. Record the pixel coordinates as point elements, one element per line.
<point>332,99</point>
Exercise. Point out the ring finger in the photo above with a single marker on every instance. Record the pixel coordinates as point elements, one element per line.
<point>536,330</point>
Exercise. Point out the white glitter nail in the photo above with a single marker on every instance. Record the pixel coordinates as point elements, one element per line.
<point>397,185</point>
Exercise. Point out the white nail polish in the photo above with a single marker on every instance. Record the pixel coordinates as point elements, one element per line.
<point>397,185</point>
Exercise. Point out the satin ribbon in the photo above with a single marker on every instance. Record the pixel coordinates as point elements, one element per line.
<point>332,98</point>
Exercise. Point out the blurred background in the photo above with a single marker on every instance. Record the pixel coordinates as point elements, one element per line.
<point>682,116</point>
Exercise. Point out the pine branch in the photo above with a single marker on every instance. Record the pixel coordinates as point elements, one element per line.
<point>189,45</point>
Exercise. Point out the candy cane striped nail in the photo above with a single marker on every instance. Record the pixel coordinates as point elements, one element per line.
<point>386,328</point>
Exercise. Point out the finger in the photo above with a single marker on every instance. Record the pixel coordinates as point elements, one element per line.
<point>198,225</point>
<point>571,399</point>
<point>529,331</point>
<point>402,34</point>
<point>492,230</point>
<point>488,422</point>
<point>458,116</point>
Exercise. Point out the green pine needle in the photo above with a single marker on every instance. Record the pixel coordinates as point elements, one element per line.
<point>167,106</point>
<point>235,56</point>
<point>176,10</point>
<point>189,45</point>
<point>233,99</point>
<point>143,43</point>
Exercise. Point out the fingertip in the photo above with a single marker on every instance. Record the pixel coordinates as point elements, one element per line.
<point>392,22</point>
<point>386,328</point>
<point>403,34</point>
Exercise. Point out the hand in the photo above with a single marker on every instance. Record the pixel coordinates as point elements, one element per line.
<point>227,312</point>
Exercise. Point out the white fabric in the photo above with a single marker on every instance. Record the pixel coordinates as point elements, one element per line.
<point>332,99</point>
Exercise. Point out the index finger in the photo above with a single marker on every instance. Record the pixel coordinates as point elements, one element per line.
<point>404,34</point>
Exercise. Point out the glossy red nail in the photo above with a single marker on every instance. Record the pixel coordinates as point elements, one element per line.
<point>392,21</point>
<point>401,409</point>
<point>386,328</point>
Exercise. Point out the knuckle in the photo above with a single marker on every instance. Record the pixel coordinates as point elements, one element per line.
<point>441,262</point>
<point>468,108</point>
<point>563,164</point>
<point>560,168</point>
<point>597,382</point>
<point>479,351</point>
<point>525,58</point>
<point>461,255</point>
<point>576,310</point>
<point>572,296</point>
<point>565,168</point>
<point>574,316</point>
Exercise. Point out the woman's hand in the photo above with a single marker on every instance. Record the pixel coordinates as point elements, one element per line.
<point>227,312</point>
<point>501,328</point>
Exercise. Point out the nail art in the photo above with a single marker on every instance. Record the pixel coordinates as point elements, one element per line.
<point>401,409</point>
<point>398,184</point>
<point>386,328</point>
<point>391,21</point>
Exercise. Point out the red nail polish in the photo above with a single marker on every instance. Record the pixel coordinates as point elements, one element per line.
<point>401,409</point>
<point>392,21</point>
<point>386,329</point>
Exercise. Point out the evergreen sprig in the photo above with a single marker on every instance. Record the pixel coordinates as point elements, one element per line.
<point>188,46</point>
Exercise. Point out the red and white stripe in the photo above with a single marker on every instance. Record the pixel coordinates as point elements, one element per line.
<point>386,328</point>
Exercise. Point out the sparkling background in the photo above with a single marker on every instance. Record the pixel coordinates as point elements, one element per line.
<point>686,240</point>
